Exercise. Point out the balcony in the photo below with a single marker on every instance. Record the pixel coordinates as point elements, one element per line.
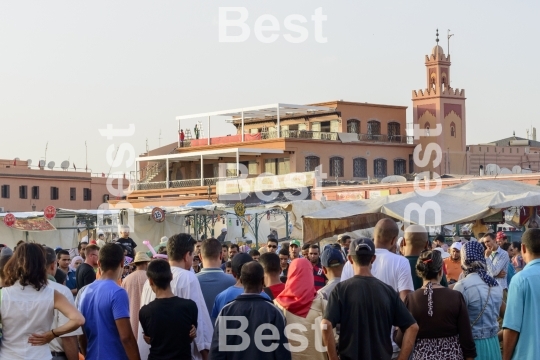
<point>157,185</point>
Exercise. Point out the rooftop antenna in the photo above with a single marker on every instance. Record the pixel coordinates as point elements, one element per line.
<point>46,146</point>
<point>147,146</point>
<point>437,38</point>
<point>449,36</point>
<point>159,138</point>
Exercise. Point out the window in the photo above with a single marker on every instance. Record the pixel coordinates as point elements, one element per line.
<point>380,168</point>
<point>87,194</point>
<point>252,168</point>
<point>373,127</point>
<point>353,126</point>
<point>277,166</point>
<point>336,166</point>
<point>5,191</point>
<point>23,192</point>
<point>400,167</point>
<point>394,129</point>
<point>72,194</point>
<point>360,168</point>
<point>452,129</point>
<point>426,126</point>
<point>411,164</point>
<point>35,192</point>
<point>311,163</point>
<point>54,193</point>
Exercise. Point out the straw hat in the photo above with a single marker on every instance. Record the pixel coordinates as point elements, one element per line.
<point>140,257</point>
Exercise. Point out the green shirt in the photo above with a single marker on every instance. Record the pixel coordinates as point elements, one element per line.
<point>417,281</point>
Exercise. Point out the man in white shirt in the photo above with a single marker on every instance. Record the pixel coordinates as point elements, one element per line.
<point>497,260</point>
<point>65,346</point>
<point>392,269</point>
<point>180,249</point>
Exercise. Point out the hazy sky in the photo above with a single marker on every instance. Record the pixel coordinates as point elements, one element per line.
<point>69,68</point>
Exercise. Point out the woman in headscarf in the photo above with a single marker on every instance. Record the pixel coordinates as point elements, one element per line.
<point>484,299</point>
<point>300,305</point>
<point>441,314</point>
<point>75,262</point>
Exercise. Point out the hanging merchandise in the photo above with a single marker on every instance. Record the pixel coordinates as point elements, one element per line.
<point>230,222</point>
<point>237,223</point>
<point>268,215</point>
<point>223,221</point>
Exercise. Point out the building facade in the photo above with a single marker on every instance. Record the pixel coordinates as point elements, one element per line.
<point>26,188</point>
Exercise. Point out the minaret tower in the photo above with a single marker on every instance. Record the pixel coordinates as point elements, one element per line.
<point>440,104</point>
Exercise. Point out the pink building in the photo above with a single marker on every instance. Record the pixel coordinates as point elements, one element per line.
<point>30,188</point>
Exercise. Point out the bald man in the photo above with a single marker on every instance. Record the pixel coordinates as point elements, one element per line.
<point>414,242</point>
<point>392,269</point>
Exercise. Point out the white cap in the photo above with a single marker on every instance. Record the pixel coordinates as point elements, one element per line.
<point>164,240</point>
<point>84,239</point>
<point>223,230</point>
<point>444,254</point>
<point>456,245</point>
<point>100,232</point>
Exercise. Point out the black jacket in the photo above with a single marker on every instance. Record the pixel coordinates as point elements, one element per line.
<point>256,311</point>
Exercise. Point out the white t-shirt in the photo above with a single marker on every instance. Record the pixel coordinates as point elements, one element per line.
<point>59,318</point>
<point>392,269</point>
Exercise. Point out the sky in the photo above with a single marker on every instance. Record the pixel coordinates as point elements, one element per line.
<point>70,68</point>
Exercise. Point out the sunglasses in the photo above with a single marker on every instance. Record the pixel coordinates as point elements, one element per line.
<point>272,246</point>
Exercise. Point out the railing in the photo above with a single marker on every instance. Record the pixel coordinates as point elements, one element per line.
<point>321,135</point>
<point>386,138</point>
<point>301,134</point>
<point>179,183</point>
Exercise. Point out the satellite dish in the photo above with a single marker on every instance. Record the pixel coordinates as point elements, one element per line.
<point>493,169</point>
<point>516,169</point>
<point>50,165</point>
<point>393,179</point>
<point>505,171</point>
<point>29,162</point>
<point>64,165</point>
<point>17,159</point>
<point>41,163</point>
<point>526,171</point>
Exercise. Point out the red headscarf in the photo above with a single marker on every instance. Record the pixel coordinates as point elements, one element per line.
<point>299,290</point>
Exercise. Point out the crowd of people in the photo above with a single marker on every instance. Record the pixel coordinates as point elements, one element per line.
<point>381,298</point>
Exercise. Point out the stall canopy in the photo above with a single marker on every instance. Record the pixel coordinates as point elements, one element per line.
<point>461,203</point>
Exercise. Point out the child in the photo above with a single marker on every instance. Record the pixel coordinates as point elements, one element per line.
<point>168,322</point>
<point>228,267</point>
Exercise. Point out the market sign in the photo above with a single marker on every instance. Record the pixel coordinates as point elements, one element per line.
<point>9,220</point>
<point>33,224</point>
<point>49,212</point>
<point>158,214</point>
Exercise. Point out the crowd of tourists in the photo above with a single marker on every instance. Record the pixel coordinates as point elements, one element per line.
<point>360,298</point>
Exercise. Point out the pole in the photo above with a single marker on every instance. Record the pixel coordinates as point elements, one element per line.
<point>242,125</point>
<point>237,163</point>
<point>202,172</point>
<point>167,169</point>
<point>287,224</point>
<point>257,230</point>
<point>278,129</point>
<point>208,142</point>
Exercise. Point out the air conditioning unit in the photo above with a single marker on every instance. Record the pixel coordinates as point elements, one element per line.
<point>2,209</point>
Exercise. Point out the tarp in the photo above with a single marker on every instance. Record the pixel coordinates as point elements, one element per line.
<point>461,203</point>
<point>66,238</point>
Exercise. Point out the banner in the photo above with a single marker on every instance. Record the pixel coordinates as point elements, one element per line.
<point>34,224</point>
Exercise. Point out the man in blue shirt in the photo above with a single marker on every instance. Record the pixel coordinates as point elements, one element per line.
<point>232,292</point>
<point>212,279</point>
<point>105,306</point>
<point>520,324</point>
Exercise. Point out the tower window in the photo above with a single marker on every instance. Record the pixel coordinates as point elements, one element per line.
<point>426,126</point>
<point>452,129</point>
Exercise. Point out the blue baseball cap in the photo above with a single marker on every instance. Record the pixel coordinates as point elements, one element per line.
<point>332,256</point>
<point>362,246</point>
